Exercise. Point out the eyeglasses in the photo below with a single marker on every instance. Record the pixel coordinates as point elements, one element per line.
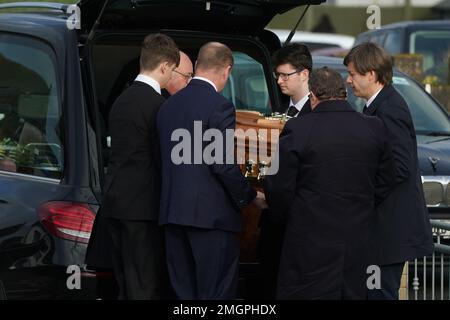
<point>285,76</point>
<point>188,75</point>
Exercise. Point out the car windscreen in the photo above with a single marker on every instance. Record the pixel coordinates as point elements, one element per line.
<point>426,114</point>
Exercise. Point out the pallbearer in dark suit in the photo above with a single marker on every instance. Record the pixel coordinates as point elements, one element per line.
<point>132,186</point>
<point>402,230</point>
<point>292,66</point>
<point>331,162</point>
<point>200,199</point>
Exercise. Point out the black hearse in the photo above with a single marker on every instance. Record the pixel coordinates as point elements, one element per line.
<point>57,84</point>
<point>61,68</point>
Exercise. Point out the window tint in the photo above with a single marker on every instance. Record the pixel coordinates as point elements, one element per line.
<point>29,108</point>
<point>247,86</point>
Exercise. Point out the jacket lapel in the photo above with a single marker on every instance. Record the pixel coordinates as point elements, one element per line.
<point>383,95</point>
<point>305,110</point>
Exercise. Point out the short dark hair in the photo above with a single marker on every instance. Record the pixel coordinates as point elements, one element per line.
<point>327,84</point>
<point>158,48</point>
<point>214,55</point>
<point>296,54</point>
<point>369,56</point>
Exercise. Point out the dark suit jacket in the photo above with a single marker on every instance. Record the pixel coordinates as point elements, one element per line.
<point>200,195</point>
<point>132,184</point>
<point>266,217</point>
<point>133,181</point>
<point>165,93</point>
<point>331,163</point>
<point>402,229</point>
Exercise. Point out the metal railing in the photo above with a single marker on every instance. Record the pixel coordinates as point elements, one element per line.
<point>430,276</point>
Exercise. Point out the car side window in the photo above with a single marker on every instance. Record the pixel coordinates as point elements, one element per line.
<point>30,141</point>
<point>247,86</point>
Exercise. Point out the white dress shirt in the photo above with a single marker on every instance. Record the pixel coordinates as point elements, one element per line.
<point>300,104</point>
<point>207,80</point>
<point>150,81</point>
<point>372,98</point>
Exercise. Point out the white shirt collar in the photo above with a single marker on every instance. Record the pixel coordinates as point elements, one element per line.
<point>299,105</point>
<point>150,81</point>
<point>207,80</point>
<point>368,103</point>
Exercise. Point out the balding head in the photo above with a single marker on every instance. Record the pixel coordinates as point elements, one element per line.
<point>326,84</point>
<point>181,75</point>
<point>214,62</point>
<point>214,55</point>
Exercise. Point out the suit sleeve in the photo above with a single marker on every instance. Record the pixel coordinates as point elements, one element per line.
<point>229,174</point>
<point>280,188</point>
<point>398,123</point>
<point>385,174</point>
<point>148,123</point>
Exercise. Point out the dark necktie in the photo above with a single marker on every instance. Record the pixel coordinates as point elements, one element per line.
<point>292,111</point>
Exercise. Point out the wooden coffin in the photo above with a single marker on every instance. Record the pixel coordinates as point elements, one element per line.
<point>253,130</point>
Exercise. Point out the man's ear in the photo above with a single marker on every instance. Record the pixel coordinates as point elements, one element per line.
<point>306,74</point>
<point>373,76</point>
<point>165,67</point>
<point>228,70</point>
<point>162,67</point>
<point>313,100</point>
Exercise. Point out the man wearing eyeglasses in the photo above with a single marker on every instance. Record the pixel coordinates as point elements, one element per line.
<point>292,66</point>
<point>180,76</point>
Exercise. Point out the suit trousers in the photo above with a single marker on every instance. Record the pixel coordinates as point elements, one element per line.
<point>269,252</point>
<point>138,259</point>
<point>202,263</point>
<point>391,276</point>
